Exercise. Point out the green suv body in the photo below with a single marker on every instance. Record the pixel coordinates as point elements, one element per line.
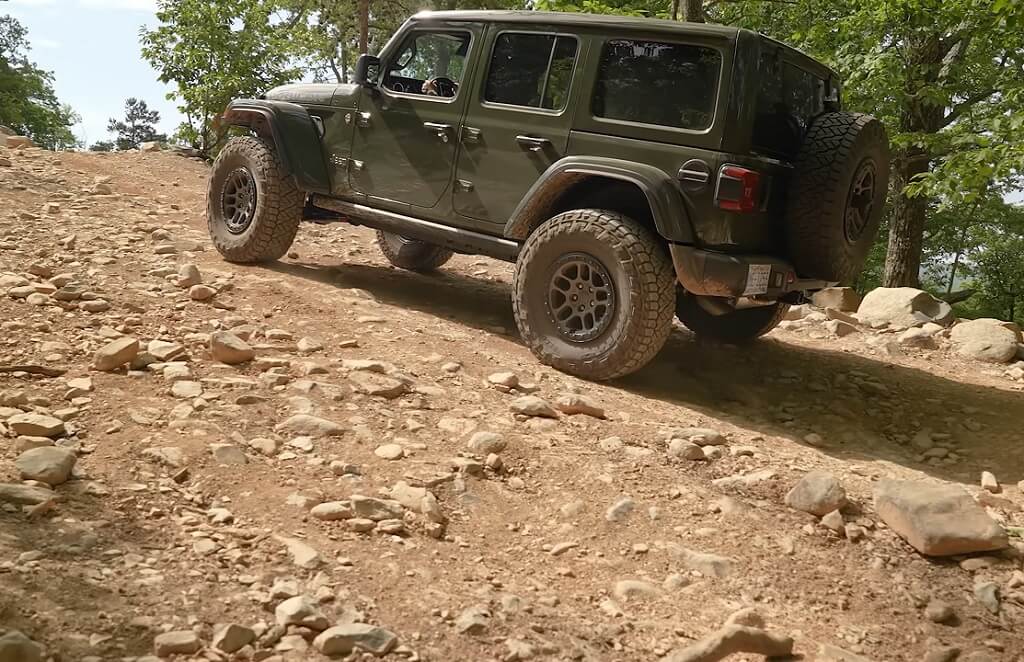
<point>632,168</point>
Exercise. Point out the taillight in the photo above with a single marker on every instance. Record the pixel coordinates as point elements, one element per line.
<point>738,189</point>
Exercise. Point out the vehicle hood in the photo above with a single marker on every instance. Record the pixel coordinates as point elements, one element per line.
<point>320,94</point>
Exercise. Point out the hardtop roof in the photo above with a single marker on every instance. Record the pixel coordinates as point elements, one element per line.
<point>612,21</point>
<point>580,19</point>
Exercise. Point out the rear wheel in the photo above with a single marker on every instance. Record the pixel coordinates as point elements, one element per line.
<point>736,327</point>
<point>837,197</point>
<point>253,208</point>
<point>411,254</point>
<point>593,294</point>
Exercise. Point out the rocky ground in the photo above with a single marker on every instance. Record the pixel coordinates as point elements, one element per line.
<point>331,456</point>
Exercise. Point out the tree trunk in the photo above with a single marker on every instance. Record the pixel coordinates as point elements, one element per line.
<point>693,11</point>
<point>364,25</point>
<point>675,10</point>
<point>906,231</point>
<point>956,256</point>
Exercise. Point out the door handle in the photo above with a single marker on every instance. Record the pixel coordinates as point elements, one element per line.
<point>442,130</point>
<point>363,119</point>
<point>471,135</point>
<point>532,143</point>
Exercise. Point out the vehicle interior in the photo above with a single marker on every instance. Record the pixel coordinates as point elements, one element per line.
<point>429,63</point>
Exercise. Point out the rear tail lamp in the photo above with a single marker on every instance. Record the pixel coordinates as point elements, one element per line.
<point>738,189</point>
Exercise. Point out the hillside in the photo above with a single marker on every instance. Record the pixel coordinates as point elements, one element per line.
<point>348,462</point>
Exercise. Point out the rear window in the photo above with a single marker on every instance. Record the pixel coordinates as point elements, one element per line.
<point>787,100</point>
<point>651,82</point>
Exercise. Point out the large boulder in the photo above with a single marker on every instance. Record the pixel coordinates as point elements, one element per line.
<point>936,519</point>
<point>228,348</point>
<point>845,299</point>
<point>7,131</point>
<point>15,142</point>
<point>902,307</point>
<point>986,339</point>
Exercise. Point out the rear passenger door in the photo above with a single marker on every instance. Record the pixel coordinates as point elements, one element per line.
<point>517,123</point>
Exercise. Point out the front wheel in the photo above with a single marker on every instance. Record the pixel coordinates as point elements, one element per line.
<point>253,208</point>
<point>738,326</point>
<point>593,294</point>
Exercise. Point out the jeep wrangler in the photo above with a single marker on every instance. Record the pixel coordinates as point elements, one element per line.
<point>631,168</point>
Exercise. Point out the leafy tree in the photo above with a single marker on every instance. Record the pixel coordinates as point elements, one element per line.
<point>28,103</point>
<point>218,51</point>
<point>999,273</point>
<point>102,146</point>
<point>137,126</point>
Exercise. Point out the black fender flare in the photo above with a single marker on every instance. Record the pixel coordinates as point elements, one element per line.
<point>668,208</point>
<point>295,136</point>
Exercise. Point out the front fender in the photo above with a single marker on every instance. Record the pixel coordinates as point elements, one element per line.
<point>662,192</point>
<point>290,128</point>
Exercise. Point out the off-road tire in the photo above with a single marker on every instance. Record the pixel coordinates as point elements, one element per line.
<point>411,254</point>
<point>836,150</point>
<point>738,327</point>
<point>643,287</point>
<point>278,208</point>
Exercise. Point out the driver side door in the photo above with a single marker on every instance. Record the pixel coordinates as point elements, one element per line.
<point>403,150</point>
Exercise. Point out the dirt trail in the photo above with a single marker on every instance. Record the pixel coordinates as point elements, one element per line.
<point>540,559</point>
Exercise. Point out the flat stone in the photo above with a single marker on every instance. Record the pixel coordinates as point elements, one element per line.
<point>699,436</point>
<point>531,405</point>
<point>186,389</point>
<point>201,292</point>
<point>179,642</point>
<point>116,353</point>
<point>165,351</point>
<point>709,565</point>
<point>300,610</point>
<point>343,639</point>
<point>232,637</point>
<point>228,454</point>
<point>844,299</point>
<point>818,493</point>
<point>36,425</point>
<point>332,511</point>
<point>375,509</point>
<point>573,403</point>
<point>377,385</point>
<point>390,451</point>
<point>25,495</point>
<point>938,611</point>
<point>473,620</point>
<point>49,464</point>
<point>312,426</point>
<point>937,520</point>
<point>228,348</point>
<point>629,589</point>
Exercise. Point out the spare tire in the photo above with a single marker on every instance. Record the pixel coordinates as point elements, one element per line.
<point>837,195</point>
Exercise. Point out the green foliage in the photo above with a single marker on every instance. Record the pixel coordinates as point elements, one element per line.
<point>28,103</point>
<point>218,51</point>
<point>137,126</point>
<point>102,146</point>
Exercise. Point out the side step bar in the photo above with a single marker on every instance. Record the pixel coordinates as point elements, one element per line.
<point>456,239</point>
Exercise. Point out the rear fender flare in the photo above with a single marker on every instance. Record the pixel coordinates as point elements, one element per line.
<point>664,198</point>
<point>289,127</point>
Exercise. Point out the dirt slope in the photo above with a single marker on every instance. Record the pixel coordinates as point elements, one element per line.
<point>530,550</point>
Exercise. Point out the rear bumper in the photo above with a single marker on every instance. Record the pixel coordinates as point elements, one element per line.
<point>707,273</point>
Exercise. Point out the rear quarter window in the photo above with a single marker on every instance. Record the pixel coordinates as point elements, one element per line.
<point>657,83</point>
<point>788,98</point>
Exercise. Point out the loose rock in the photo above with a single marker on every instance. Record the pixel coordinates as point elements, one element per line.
<point>818,493</point>
<point>937,520</point>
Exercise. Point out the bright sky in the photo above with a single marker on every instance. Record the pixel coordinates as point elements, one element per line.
<point>92,48</point>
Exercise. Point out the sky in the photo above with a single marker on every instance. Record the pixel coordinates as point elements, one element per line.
<point>92,48</point>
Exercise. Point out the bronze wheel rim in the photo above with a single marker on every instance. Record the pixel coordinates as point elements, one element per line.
<point>581,297</point>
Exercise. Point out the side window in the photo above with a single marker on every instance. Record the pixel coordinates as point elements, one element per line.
<point>649,82</point>
<point>429,63</point>
<point>530,69</point>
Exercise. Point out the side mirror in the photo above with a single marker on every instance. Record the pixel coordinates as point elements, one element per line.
<point>367,70</point>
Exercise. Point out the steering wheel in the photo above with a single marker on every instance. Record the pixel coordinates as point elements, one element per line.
<point>441,86</point>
